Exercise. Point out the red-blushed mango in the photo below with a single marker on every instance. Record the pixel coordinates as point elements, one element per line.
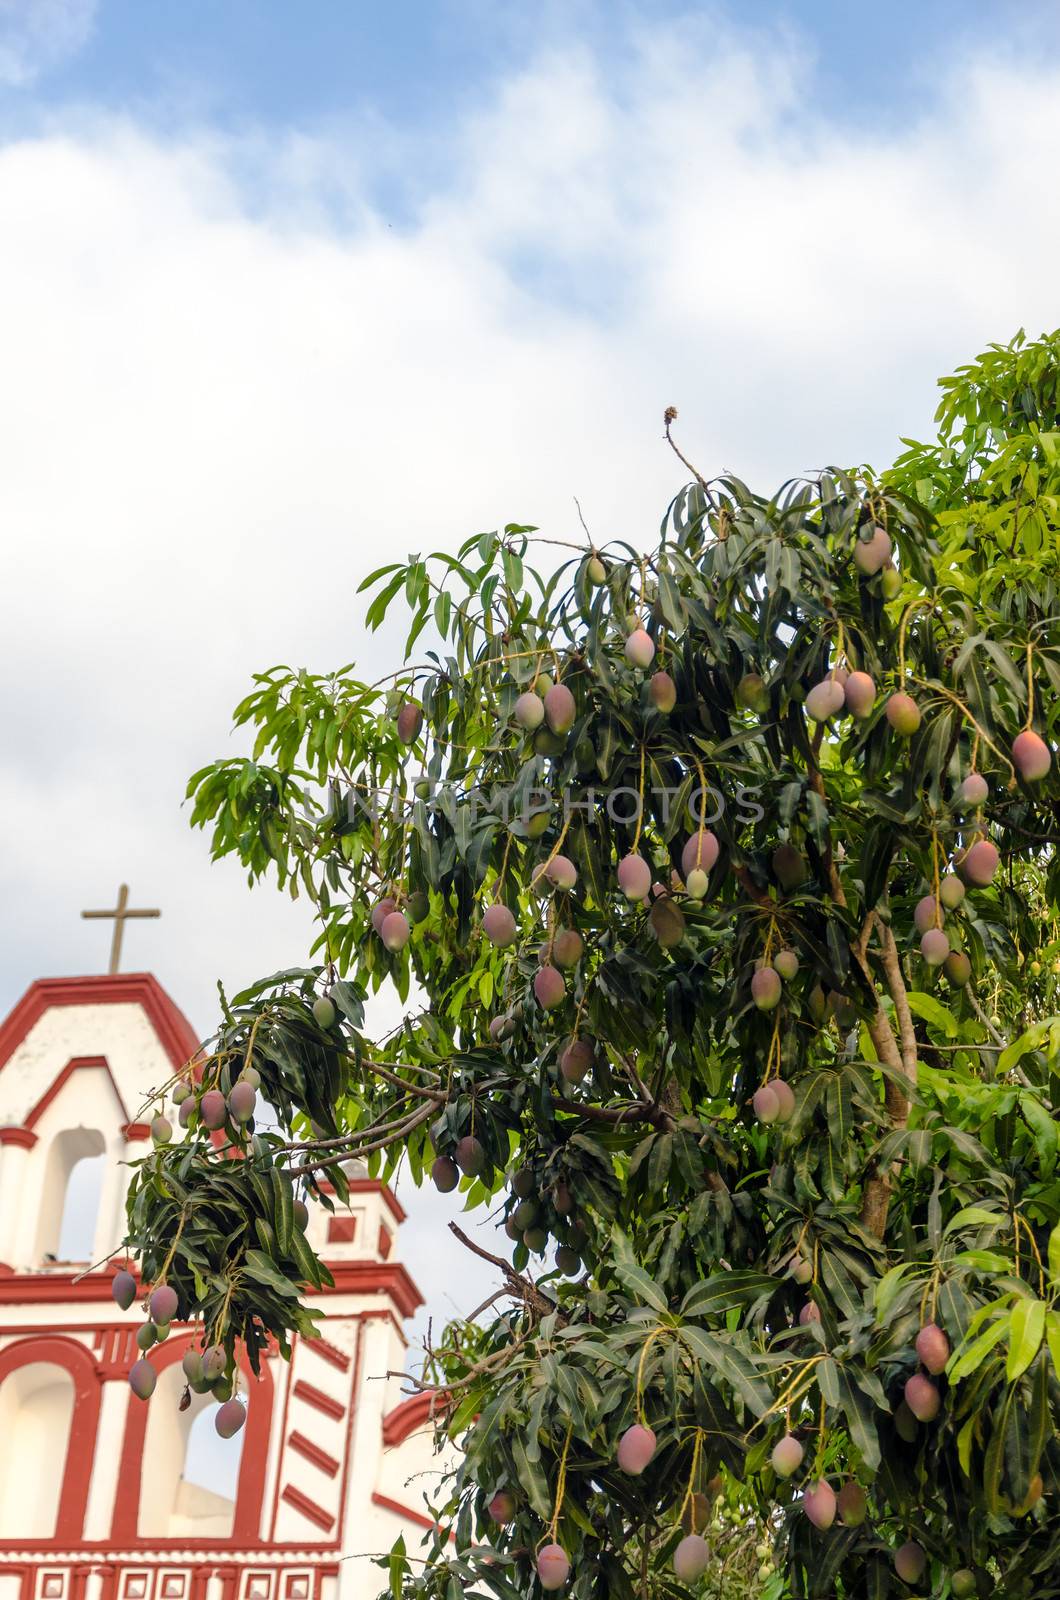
<point>826,699</point>
<point>935,947</point>
<point>529,711</point>
<point>553,1567</point>
<point>903,714</point>
<point>978,865</point>
<point>470,1156</point>
<point>701,850</point>
<point>445,1175</point>
<point>242,1099</point>
<point>229,1418</point>
<point>568,1261</point>
<point>765,989</point>
<point>640,648</point>
<point>561,872</point>
<point>859,691</point>
<point>691,1558</point>
<point>635,1449</point>
<point>568,947</point>
<point>379,916</point>
<point>499,926</point>
<point>910,1562</point>
<point>974,789</point>
<point>634,877</point>
<point>575,1060</point>
<point>409,722</point>
<point>560,709</point>
<point>1031,756</point>
<point>951,891</point>
<point>142,1379</point>
<point>871,555</point>
<point>163,1304</point>
<point>933,1348</point>
<point>786,1456</point>
<point>662,691</point>
<point>958,968</point>
<point>928,913</point>
<point>922,1397</point>
<point>501,1027</point>
<point>785,1096</point>
<point>123,1289</point>
<point>852,1504</point>
<point>819,1504</point>
<point>214,1362</point>
<point>501,1508</point>
<point>395,931</point>
<point>213,1109</point>
<point>765,1104</point>
<point>811,1312</point>
<point>550,990</point>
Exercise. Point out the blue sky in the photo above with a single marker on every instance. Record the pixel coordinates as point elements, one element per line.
<point>289,290</point>
<point>420,63</point>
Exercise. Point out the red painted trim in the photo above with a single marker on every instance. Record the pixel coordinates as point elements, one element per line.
<point>308,1508</point>
<point>411,1415</point>
<point>351,1277</point>
<point>406,1512</point>
<point>75,1064</point>
<point>376,1277</point>
<point>250,1490</point>
<point>77,1360</point>
<point>372,1186</point>
<point>342,1230</point>
<point>385,1243</point>
<point>175,1033</point>
<point>136,1130</point>
<point>313,1453</point>
<point>316,1397</point>
<point>321,1347</point>
<point>19,1136</point>
<point>351,1422</point>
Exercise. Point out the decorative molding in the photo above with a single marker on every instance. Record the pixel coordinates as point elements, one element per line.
<point>76,1064</point>
<point>405,1512</point>
<point>308,1508</point>
<point>328,1352</point>
<point>411,1415</point>
<point>175,1033</point>
<point>313,1453</point>
<point>316,1397</point>
<point>20,1136</point>
<point>375,1277</point>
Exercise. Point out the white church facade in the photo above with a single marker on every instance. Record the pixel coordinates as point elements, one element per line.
<point>97,1498</point>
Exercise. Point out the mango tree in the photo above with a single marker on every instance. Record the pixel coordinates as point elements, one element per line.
<point>719,876</point>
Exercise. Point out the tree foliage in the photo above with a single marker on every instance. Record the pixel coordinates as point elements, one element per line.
<point>731,1268</point>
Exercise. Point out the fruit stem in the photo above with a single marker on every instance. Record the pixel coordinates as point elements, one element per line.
<point>938,688</point>
<point>916,605</point>
<point>656,1333</point>
<point>935,876</point>
<point>543,868</point>
<point>1030,685</point>
<point>697,1450</point>
<point>640,804</point>
<point>561,1484</point>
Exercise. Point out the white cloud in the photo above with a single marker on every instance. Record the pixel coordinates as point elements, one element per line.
<point>217,416</point>
<point>38,34</point>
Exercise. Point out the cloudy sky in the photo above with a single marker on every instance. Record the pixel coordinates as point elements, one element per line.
<point>286,291</point>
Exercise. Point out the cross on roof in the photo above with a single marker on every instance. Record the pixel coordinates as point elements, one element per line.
<point>121,914</point>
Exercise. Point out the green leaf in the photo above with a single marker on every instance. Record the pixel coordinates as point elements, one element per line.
<point>1026,1327</point>
<point>730,1364</point>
